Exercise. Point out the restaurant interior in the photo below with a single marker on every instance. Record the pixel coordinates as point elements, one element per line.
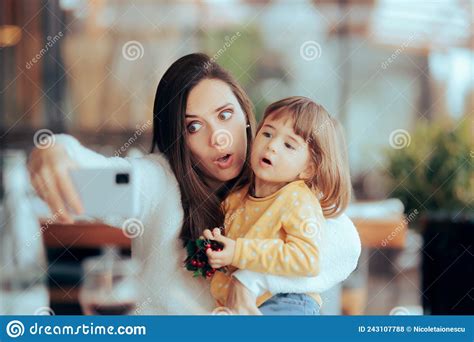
<point>398,75</point>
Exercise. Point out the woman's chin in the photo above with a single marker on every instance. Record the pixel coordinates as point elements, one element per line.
<point>227,175</point>
<point>224,174</point>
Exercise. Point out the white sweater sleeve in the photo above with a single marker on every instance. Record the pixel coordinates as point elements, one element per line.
<point>153,175</point>
<point>339,250</point>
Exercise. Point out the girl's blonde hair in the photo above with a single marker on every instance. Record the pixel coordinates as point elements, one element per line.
<point>331,179</point>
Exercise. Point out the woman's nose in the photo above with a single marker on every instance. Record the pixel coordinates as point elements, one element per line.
<point>221,138</point>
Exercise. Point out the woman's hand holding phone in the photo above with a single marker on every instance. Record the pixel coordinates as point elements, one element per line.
<point>49,175</point>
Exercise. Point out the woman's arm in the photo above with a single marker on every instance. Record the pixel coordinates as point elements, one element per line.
<point>49,173</point>
<point>240,300</point>
<point>339,249</point>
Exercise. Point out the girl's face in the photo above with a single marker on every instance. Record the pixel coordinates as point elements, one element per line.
<point>216,129</point>
<point>279,155</point>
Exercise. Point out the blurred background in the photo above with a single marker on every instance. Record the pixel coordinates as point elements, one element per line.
<point>397,74</point>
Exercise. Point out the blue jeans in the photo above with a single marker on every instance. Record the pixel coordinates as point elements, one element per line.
<point>290,304</point>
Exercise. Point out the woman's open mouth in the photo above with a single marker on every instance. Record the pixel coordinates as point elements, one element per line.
<point>225,161</point>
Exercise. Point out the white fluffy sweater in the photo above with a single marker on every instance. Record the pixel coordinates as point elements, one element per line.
<point>168,288</point>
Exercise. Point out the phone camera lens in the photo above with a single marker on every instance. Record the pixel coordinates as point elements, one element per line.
<point>122,178</point>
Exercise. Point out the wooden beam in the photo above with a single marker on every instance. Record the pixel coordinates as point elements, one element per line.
<point>374,233</point>
<point>382,233</point>
<point>83,235</point>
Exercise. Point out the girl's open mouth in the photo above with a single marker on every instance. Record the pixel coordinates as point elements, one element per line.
<point>265,162</point>
<point>225,161</point>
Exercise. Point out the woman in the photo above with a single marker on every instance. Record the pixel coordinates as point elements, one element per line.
<point>203,126</point>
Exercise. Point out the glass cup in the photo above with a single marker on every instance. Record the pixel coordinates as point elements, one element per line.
<point>110,286</point>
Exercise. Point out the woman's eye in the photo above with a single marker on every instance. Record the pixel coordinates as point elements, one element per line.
<point>289,146</point>
<point>193,127</point>
<point>266,134</point>
<point>225,115</point>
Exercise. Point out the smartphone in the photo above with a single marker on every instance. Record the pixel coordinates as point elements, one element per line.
<point>106,192</point>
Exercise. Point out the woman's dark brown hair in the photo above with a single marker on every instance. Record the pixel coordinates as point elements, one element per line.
<point>201,204</point>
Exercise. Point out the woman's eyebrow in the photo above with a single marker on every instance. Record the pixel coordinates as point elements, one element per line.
<point>216,110</point>
<point>222,107</point>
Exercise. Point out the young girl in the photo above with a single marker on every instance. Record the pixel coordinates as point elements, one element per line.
<point>274,225</point>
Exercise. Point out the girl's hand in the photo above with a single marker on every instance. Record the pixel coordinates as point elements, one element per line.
<point>49,175</point>
<point>223,258</point>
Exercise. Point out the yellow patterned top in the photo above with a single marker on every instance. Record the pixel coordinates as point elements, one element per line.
<point>278,234</point>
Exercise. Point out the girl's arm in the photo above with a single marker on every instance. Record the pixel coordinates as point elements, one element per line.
<point>296,255</point>
<point>340,249</point>
<point>151,172</point>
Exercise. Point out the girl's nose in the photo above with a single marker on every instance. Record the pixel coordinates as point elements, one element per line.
<point>271,146</point>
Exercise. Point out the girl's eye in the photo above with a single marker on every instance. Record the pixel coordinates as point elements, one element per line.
<point>193,127</point>
<point>289,146</point>
<point>266,134</point>
<point>225,115</point>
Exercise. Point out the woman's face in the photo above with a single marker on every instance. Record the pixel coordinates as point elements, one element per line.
<point>216,129</point>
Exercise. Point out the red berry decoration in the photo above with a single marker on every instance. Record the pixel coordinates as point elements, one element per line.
<point>197,261</point>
